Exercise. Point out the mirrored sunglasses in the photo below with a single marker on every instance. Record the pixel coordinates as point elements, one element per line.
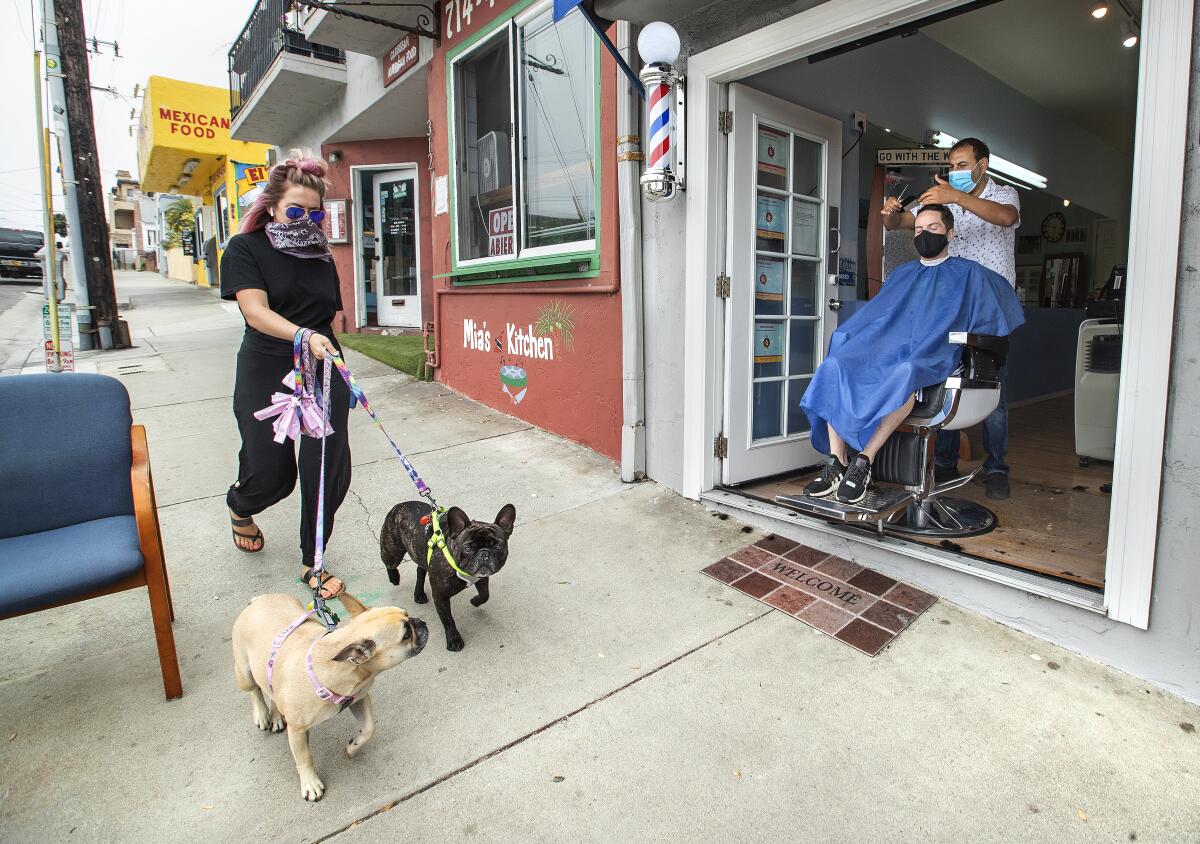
<point>295,213</point>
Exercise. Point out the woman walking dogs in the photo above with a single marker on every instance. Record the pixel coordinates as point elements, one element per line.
<point>279,270</point>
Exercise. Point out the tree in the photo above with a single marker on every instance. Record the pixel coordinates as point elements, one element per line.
<point>179,219</point>
<point>60,225</point>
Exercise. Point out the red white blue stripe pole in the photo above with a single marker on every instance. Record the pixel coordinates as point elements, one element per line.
<point>658,45</point>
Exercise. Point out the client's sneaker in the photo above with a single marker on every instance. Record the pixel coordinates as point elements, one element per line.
<point>856,482</point>
<point>997,486</point>
<point>826,482</point>
<point>945,474</point>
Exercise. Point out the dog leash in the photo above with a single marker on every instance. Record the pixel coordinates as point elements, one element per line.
<point>437,539</point>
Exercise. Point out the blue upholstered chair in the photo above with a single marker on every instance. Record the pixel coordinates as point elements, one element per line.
<point>77,511</point>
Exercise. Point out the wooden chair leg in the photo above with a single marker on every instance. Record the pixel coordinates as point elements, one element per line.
<point>160,611</point>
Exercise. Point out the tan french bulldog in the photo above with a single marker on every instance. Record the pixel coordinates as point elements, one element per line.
<point>344,665</point>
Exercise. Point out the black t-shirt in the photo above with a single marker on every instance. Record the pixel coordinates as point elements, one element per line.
<point>303,290</point>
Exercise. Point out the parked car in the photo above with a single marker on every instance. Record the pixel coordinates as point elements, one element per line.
<point>18,253</point>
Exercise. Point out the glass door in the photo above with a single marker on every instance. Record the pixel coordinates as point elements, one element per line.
<point>396,258</point>
<point>784,176</point>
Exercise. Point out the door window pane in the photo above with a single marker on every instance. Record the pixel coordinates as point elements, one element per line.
<point>483,151</point>
<point>771,170</point>
<point>557,120</point>
<point>767,419</point>
<point>797,420</point>
<point>805,287</point>
<point>770,223</point>
<point>806,227</point>
<point>397,238</point>
<point>768,348</point>
<point>769,275</point>
<point>802,353</point>
<point>806,167</point>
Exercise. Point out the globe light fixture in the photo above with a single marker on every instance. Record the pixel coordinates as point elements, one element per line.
<point>658,45</point>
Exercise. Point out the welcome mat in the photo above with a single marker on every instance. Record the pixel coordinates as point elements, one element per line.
<point>859,606</point>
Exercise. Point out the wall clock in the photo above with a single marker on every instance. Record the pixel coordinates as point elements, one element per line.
<point>1054,226</point>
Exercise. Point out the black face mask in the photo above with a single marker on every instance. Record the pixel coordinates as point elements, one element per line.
<point>930,244</point>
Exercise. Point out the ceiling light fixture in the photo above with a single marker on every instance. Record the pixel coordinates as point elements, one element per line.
<point>190,165</point>
<point>1129,34</point>
<point>1000,165</point>
<point>1099,10</point>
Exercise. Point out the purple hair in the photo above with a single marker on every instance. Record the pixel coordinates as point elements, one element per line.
<point>299,169</point>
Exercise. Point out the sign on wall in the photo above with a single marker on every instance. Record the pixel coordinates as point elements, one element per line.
<point>249,181</point>
<point>335,223</point>
<point>500,232</point>
<point>400,59</point>
<point>930,157</point>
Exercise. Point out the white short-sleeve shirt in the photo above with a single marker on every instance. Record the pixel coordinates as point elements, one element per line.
<point>993,246</point>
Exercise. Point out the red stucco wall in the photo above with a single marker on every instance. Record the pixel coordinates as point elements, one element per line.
<point>390,151</point>
<point>577,394</point>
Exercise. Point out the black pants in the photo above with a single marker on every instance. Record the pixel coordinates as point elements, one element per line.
<point>267,469</point>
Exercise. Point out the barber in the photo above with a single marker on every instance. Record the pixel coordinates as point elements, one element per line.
<point>986,217</point>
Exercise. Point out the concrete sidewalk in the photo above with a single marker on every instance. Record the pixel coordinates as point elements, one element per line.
<point>608,691</point>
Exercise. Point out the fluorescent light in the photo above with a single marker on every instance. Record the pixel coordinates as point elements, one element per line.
<point>190,165</point>
<point>996,163</point>
<point>1129,36</point>
<point>1099,10</point>
<point>183,180</point>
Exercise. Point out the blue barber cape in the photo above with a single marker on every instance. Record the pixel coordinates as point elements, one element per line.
<point>898,343</point>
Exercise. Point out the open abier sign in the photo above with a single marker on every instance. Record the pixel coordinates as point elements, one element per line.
<point>500,232</point>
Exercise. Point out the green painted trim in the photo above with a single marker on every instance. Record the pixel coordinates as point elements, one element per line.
<point>500,267</point>
<point>488,282</point>
<point>530,268</point>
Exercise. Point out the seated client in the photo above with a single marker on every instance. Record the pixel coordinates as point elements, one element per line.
<point>895,345</point>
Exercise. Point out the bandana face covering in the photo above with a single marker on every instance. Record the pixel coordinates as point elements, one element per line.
<point>303,239</point>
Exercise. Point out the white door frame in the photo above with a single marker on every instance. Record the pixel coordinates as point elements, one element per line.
<point>356,200</point>
<point>1160,142</point>
<point>747,458</point>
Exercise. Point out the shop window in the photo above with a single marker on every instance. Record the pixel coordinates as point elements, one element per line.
<point>221,204</point>
<point>533,194</point>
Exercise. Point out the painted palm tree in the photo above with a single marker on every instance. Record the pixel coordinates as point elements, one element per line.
<point>556,319</point>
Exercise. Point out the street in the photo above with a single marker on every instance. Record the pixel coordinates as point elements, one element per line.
<point>608,691</point>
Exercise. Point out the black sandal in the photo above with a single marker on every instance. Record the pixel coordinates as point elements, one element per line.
<point>257,537</point>
<point>308,574</point>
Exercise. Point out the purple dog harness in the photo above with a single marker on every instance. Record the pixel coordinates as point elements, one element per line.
<point>323,692</point>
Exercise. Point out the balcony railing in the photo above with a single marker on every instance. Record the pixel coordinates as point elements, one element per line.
<point>274,27</point>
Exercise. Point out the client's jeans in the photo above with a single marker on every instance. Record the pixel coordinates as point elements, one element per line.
<point>995,437</point>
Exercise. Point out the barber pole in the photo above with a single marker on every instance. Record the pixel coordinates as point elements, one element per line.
<point>660,128</point>
<point>658,182</point>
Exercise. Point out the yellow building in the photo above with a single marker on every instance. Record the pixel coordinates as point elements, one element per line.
<point>184,147</point>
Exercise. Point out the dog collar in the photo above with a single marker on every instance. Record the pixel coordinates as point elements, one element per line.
<point>438,540</point>
<point>324,692</point>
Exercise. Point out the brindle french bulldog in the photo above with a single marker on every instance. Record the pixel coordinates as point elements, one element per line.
<point>479,548</point>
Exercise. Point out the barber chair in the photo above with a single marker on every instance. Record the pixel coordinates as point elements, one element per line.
<point>904,497</point>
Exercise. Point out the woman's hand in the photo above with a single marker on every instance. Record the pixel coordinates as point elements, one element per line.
<point>320,346</point>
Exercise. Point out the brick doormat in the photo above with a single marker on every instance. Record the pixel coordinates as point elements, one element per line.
<point>857,605</point>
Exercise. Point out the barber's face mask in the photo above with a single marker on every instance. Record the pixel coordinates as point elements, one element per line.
<point>930,244</point>
<point>963,180</point>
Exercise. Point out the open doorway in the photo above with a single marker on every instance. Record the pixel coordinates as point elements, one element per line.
<point>1053,91</point>
<point>387,262</point>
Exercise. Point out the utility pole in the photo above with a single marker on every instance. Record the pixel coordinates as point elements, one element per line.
<point>57,99</point>
<point>97,256</point>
